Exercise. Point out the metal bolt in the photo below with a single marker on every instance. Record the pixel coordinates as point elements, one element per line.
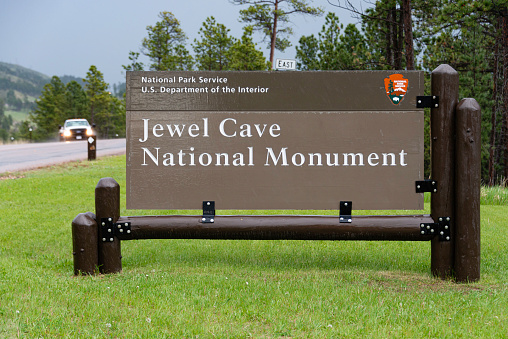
<point>341,218</point>
<point>119,226</point>
<point>422,225</point>
<point>349,220</point>
<point>121,230</point>
<point>446,227</point>
<point>435,190</point>
<point>419,101</point>
<point>440,219</point>
<point>103,224</point>
<point>128,231</point>
<point>422,232</point>
<point>208,203</point>
<point>432,231</point>
<point>126,224</point>
<point>433,183</point>
<point>436,105</point>
<point>447,238</point>
<point>428,227</point>
<point>442,233</point>
<point>212,220</point>
<point>345,204</point>
<point>109,219</point>
<point>418,186</point>
<point>447,218</point>
<point>111,239</point>
<point>109,230</point>
<point>434,97</point>
<point>103,239</point>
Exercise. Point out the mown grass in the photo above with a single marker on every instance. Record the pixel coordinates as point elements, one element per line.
<point>228,289</point>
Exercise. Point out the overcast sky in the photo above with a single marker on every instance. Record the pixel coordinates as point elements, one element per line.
<point>65,37</point>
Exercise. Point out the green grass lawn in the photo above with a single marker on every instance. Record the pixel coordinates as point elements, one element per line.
<point>229,289</point>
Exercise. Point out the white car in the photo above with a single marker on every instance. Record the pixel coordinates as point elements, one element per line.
<point>75,129</point>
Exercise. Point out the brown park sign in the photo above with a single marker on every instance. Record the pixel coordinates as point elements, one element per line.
<point>274,140</point>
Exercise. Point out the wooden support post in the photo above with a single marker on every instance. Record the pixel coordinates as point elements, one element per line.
<point>445,84</point>
<point>84,244</point>
<point>467,187</point>
<point>107,205</point>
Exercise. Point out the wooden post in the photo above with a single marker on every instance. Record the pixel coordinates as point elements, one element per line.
<point>467,187</point>
<point>107,205</point>
<point>84,244</point>
<point>445,84</point>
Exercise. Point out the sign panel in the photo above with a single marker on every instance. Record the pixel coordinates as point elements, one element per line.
<point>285,64</point>
<point>274,140</point>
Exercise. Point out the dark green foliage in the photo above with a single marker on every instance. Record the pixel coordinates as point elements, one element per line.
<point>244,56</point>
<point>59,102</point>
<point>50,110</point>
<point>213,49</point>
<point>332,50</point>
<point>165,45</point>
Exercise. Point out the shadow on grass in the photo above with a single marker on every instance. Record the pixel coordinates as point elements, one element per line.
<point>278,255</point>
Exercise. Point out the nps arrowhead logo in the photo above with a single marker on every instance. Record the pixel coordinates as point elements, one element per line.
<point>396,88</point>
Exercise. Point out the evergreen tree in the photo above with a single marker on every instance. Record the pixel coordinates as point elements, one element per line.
<point>165,45</point>
<point>135,65</point>
<point>271,18</point>
<point>98,98</point>
<point>49,111</point>
<point>332,50</point>
<point>76,101</point>
<point>212,50</point>
<point>244,56</point>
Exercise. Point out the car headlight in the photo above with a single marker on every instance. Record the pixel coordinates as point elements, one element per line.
<point>89,131</point>
<point>67,133</point>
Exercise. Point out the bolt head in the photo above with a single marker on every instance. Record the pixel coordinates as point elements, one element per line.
<point>447,238</point>
<point>212,220</point>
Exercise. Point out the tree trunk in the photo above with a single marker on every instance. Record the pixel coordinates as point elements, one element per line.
<point>388,39</point>
<point>505,93</point>
<point>274,31</point>
<point>492,150</point>
<point>399,42</point>
<point>408,34</point>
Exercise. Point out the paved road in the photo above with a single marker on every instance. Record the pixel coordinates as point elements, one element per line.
<point>28,156</point>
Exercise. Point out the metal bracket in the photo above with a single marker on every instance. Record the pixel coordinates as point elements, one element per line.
<point>441,228</point>
<point>426,186</point>
<point>109,229</point>
<point>208,212</point>
<point>345,211</point>
<point>427,101</point>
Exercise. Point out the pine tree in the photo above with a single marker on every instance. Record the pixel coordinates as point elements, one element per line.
<point>165,45</point>
<point>212,50</point>
<point>244,56</point>
<point>49,111</point>
<point>98,98</point>
<point>271,18</point>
